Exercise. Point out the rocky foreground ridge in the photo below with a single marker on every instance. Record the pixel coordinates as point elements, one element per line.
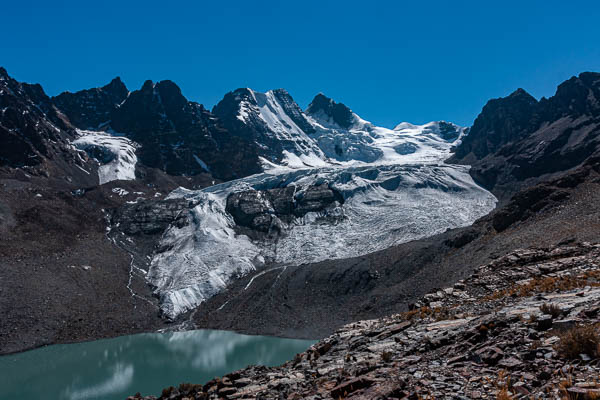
<point>521,326</point>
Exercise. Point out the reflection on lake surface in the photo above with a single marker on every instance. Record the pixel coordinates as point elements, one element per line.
<point>146,363</point>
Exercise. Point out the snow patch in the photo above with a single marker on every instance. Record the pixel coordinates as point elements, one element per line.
<point>201,163</point>
<point>120,191</point>
<point>116,155</point>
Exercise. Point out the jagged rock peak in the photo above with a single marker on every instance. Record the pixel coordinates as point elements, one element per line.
<point>166,84</point>
<point>521,93</point>
<point>501,121</point>
<point>576,96</point>
<point>162,95</point>
<point>169,91</point>
<point>147,86</point>
<point>323,106</point>
<point>91,108</point>
<point>117,87</point>
<point>31,129</point>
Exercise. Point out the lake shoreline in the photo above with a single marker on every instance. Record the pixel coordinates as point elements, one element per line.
<point>110,369</point>
<point>158,331</point>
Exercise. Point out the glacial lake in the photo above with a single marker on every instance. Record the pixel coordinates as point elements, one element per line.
<point>116,368</point>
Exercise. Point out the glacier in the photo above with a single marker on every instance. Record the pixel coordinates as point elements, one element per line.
<point>395,188</point>
<point>384,205</point>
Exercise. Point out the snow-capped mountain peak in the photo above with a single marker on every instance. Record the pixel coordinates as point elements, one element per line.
<point>327,133</point>
<point>272,120</point>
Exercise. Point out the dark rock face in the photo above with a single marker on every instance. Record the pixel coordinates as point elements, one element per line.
<point>34,134</point>
<point>525,204</point>
<point>150,217</point>
<point>575,97</point>
<point>337,112</point>
<point>267,210</point>
<point>501,121</point>
<point>517,141</point>
<point>315,198</point>
<point>89,109</point>
<point>253,209</point>
<point>24,128</point>
<point>177,136</point>
<point>181,137</point>
<point>448,132</point>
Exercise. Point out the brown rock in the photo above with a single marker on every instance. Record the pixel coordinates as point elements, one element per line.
<point>490,355</point>
<point>345,388</point>
<point>510,362</point>
<point>226,391</point>
<point>583,393</point>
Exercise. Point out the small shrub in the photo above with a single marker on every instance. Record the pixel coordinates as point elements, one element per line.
<point>166,392</point>
<point>551,309</point>
<point>297,359</point>
<point>386,356</point>
<point>579,340</point>
<point>533,318</point>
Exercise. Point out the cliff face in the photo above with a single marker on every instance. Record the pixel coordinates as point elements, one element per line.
<point>91,108</point>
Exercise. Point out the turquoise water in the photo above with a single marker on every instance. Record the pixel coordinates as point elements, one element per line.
<point>146,363</point>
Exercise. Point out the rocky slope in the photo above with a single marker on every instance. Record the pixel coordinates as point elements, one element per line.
<point>521,326</point>
<point>64,278</point>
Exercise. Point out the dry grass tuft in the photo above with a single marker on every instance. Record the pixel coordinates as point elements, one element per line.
<point>581,339</point>
<point>551,309</point>
<point>547,285</point>
<point>437,313</point>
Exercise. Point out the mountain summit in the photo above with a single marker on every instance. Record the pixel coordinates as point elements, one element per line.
<point>325,109</point>
<point>90,108</point>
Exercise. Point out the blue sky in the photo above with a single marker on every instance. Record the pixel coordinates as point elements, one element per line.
<point>389,61</point>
